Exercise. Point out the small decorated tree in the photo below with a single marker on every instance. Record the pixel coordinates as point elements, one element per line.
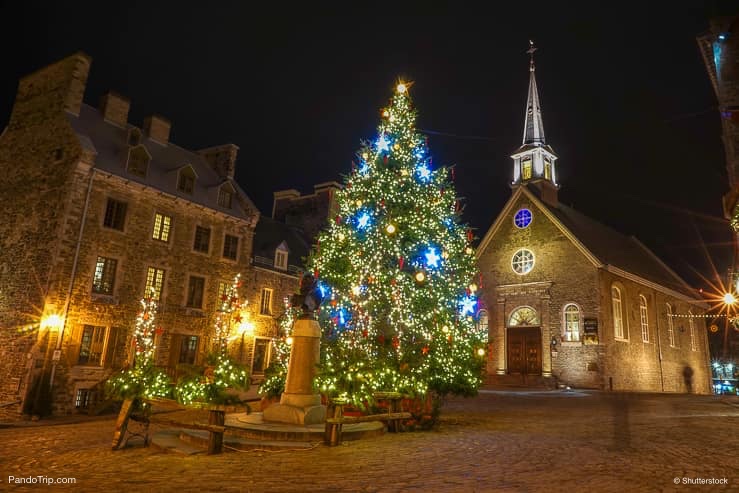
<point>143,379</point>
<point>223,377</point>
<point>276,374</point>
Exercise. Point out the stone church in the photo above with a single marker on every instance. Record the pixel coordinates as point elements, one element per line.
<point>570,301</point>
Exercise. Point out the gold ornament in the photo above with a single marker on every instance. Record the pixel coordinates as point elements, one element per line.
<point>468,251</point>
<point>473,287</point>
<point>420,276</point>
<point>401,88</point>
<point>390,228</point>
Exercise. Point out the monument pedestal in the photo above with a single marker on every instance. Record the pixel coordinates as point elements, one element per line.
<point>299,404</point>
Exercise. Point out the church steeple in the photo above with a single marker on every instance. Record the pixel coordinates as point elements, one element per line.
<point>533,129</point>
<point>534,161</point>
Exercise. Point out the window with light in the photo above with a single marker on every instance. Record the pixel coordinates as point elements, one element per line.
<point>523,261</point>
<point>643,316</point>
<point>522,219</point>
<point>618,325</point>
<point>572,323</point>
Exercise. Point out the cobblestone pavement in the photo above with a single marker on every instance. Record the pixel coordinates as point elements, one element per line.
<point>498,441</point>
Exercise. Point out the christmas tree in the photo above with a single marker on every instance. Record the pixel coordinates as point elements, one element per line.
<point>397,272</point>
<point>144,379</point>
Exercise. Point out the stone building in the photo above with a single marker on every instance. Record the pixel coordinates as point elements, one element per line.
<point>720,49</point>
<point>96,211</point>
<point>571,301</point>
<point>306,213</point>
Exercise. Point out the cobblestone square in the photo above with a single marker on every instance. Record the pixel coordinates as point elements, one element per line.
<point>498,441</point>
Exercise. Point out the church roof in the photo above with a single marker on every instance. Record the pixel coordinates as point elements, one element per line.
<point>603,245</point>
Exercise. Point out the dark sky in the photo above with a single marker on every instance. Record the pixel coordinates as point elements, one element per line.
<point>627,103</point>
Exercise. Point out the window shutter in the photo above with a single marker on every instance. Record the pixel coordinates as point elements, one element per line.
<point>73,346</point>
<point>112,351</point>
<point>175,342</point>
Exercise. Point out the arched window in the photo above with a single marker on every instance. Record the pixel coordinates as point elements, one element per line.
<point>618,314</point>
<point>572,323</point>
<point>482,321</point>
<point>644,318</point>
<point>670,326</point>
<point>524,315</point>
<point>691,326</point>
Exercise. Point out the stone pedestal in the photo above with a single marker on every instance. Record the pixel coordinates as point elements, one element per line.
<point>299,404</point>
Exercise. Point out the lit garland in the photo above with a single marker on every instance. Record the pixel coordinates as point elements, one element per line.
<point>144,379</point>
<point>213,385</point>
<point>396,268</point>
<point>735,219</point>
<point>276,373</point>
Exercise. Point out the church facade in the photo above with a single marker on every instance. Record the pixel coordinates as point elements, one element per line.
<point>570,301</point>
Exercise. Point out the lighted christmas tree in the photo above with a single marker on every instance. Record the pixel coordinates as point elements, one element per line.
<point>397,273</point>
<point>224,375</point>
<point>144,379</point>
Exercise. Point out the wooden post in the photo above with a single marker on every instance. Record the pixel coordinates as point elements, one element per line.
<point>332,431</point>
<point>215,439</point>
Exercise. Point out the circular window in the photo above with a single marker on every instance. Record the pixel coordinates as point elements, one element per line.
<point>522,261</point>
<point>522,218</point>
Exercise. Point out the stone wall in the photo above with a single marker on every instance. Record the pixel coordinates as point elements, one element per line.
<point>38,153</point>
<point>562,275</point>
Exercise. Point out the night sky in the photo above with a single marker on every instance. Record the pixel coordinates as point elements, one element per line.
<point>627,103</point>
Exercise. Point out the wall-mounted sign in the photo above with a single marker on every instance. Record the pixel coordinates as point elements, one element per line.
<point>591,325</point>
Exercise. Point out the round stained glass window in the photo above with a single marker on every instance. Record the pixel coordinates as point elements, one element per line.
<point>522,218</point>
<point>522,261</point>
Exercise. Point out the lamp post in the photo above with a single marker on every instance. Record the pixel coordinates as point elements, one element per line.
<point>729,301</point>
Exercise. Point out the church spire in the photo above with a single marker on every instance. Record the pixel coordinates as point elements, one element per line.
<point>533,129</point>
<point>534,161</point>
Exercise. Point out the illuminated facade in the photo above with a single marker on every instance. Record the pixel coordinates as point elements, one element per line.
<point>96,212</point>
<point>570,301</point>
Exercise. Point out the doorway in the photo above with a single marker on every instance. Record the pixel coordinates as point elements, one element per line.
<point>524,350</point>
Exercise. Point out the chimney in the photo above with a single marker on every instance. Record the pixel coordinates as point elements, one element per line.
<point>281,200</point>
<point>51,90</point>
<point>222,159</point>
<point>114,108</point>
<point>157,127</point>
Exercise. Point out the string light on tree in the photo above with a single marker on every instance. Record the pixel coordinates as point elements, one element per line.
<point>392,288</point>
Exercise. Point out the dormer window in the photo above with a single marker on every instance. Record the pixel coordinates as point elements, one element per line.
<point>134,137</point>
<point>138,161</point>
<point>281,257</point>
<point>186,180</point>
<point>225,196</point>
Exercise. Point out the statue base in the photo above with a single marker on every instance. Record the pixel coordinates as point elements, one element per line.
<point>297,409</point>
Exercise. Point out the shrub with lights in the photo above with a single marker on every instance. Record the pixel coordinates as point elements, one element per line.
<point>397,273</point>
<point>143,379</point>
<point>219,382</point>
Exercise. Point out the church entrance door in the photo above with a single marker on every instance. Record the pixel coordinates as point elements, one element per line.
<point>524,350</point>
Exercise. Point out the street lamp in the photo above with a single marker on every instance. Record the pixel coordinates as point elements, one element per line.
<point>729,301</point>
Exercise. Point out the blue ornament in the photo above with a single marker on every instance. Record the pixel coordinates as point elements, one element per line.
<point>432,258</point>
<point>424,173</point>
<point>363,220</point>
<point>468,305</point>
<point>383,144</point>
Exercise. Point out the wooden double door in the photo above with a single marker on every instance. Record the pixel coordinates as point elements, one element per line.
<point>524,350</point>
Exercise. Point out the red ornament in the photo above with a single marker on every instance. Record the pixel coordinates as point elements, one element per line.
<point>401,262</point>
<point>333,303</point>
<point>365,333</point>
<point>381,339</point>
<point>425,350</point>
<point>469,235</point>
<point>393,281</point>
<point>145,316</point>
<point>384,160</point>
<point>315,273</point>
<point>396,342</point>
<point>159,331</point>
<point>338,219</point>
<point>224,297</point>
<point>238,319</point>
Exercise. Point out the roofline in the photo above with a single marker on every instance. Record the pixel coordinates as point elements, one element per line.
<point>545,210</point>
<point>657,287</point>
<point>250,220</point>
<point>274,271</point>
<point>664,265</point>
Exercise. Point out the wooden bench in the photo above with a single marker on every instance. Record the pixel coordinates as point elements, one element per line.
<point>335,418</point>
<point>215,426</point>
